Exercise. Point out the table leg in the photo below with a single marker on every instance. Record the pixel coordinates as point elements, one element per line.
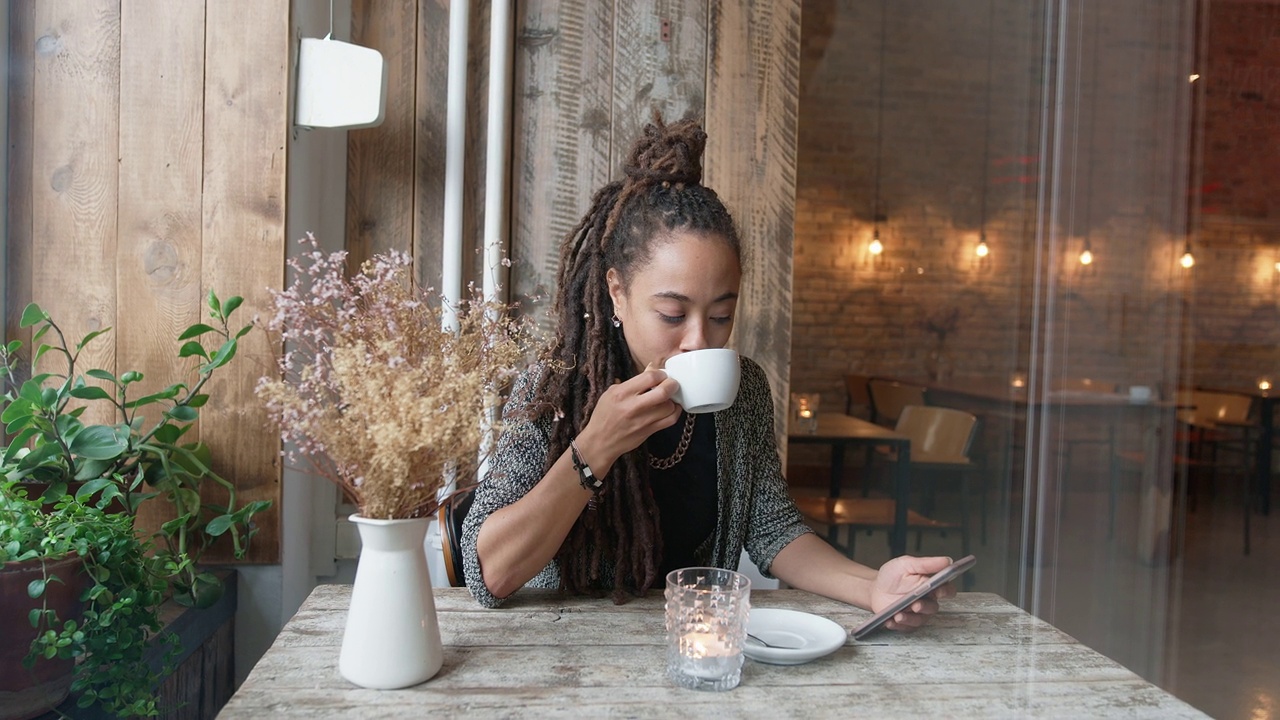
<point>837,469</point>
<point>901,489</point>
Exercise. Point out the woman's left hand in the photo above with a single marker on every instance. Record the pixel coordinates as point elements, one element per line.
<point>900,576</point>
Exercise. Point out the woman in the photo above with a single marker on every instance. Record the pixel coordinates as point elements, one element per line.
<point>600,482</point>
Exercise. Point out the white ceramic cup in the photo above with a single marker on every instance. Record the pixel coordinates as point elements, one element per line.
<point>708,379</point>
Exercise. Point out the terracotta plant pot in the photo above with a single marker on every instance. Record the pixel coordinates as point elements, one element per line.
<point>26,693</point>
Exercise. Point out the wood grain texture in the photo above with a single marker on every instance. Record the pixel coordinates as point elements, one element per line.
<point>562,134</point>
<point>161,156</point>
<point>552,656</point>
<point>20,107</point>
<point>380,189</point>
<point>660,63</point>
<point>74,179</point>
<point>430,103</point>
<point>246,126</point>
<point>474,204</point>
<point>752,98</point>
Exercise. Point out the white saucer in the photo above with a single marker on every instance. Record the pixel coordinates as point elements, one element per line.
<point>805,636</point>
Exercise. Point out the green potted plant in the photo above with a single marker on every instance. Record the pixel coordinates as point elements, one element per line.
<point>89,594</point>
<point>138,456</point>
<point>105,471</point>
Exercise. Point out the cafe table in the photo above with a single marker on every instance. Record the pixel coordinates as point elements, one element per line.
<point>545,655</point>
<point>840,432</point>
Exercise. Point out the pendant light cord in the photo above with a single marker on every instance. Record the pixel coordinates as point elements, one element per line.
<point>875,210</point>
<point>986,130</point>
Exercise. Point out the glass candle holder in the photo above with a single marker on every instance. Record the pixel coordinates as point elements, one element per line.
<point>804,411</point>
<point>706,615</point>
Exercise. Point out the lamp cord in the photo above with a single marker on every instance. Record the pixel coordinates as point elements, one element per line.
<point>875,210</point>
<point>986,131</point>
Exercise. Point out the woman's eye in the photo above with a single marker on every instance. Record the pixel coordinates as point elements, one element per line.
<point>722,320</point>
<point>670,319</point>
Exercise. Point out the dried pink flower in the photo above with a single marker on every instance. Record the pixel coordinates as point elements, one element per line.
<point>375,392</point>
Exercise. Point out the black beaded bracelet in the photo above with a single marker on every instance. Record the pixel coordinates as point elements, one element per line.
<point>588,479</point>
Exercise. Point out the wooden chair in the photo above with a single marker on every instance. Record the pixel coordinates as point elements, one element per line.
<point>941,440</point>
<point>1215,435</point>
<point>450,516</point>
<point>889,397</point>
<point>857,397</point>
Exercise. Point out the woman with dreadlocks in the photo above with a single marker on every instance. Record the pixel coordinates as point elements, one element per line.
<point>651,271</point>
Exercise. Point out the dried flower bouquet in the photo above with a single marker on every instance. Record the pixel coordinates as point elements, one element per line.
<point>375,393</point>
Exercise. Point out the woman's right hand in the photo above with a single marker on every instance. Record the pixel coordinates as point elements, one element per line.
<point>626,415</point>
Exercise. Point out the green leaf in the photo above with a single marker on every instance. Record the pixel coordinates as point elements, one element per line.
<point>93,487</point>
<point>196,331</point>
<point>168,434</point>
<point>17,443</point>
<point>172,527</point>
<point>219,525</point>
<point>193,348</point>
<point>20,407</point>
<point>130,376</point>
<point>90,392</point>
<point>90,469</point>
<point>13,347</point>
<point>35,338</point>
<point>33,617</point>
<point>31,315</point>
<point>243,331</point>
<point>222,357</point>
<point>35,588</point>
<point>214,305</point>
<point>198,400</point>
<point>98,442</point>
<point>102,375</point>
<point>182,413</point>
<point>40,351</point>
<point>168,393</point>
<point>230,304</point>
<point>31,392</point>
<point>89,338</point>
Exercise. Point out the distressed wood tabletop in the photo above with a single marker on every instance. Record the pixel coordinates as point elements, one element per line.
<point>546,655</point>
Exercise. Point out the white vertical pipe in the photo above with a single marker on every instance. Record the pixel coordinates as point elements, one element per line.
<point>455,146</point>
<point>497,161</point>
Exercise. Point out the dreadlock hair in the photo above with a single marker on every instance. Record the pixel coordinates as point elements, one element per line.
<point>660,193</point>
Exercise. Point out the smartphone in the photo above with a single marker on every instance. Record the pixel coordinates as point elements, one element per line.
<point>937,580</point>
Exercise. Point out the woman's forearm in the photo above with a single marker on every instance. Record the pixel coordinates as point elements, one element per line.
<point>810,564</point>
<point>516,542</point>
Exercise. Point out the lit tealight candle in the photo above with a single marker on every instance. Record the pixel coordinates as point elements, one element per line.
<point>1264,384</point>
<point>806,413</point>
<point>705,655</point>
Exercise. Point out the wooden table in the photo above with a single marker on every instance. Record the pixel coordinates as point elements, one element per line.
<point>548,656</point>
<point>844,431</point>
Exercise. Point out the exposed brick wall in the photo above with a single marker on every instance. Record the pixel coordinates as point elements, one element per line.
<point>1119,180</point>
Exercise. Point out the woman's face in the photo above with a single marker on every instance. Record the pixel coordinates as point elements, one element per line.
<point>683,299</point>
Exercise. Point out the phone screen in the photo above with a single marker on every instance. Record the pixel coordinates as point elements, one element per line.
<point>934,582</point>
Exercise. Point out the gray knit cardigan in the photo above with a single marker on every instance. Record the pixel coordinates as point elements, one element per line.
<point>755,511</point>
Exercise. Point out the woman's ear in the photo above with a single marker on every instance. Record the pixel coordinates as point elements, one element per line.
<point>617,291</point>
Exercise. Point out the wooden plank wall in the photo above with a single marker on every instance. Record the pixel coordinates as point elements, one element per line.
<point>147,166</point>
<point>587,76</point>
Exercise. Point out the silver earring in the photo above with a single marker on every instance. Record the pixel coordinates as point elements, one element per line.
<point>616,322</point>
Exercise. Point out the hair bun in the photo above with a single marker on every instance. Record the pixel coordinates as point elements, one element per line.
<point>668,153</point>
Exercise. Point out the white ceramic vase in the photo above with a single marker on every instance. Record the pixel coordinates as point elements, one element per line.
<point>392,639</point>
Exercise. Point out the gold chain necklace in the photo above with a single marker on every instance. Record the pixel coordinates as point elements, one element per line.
<point>685,437</point>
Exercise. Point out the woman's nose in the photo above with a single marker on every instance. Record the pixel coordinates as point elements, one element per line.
<point>695,337</point>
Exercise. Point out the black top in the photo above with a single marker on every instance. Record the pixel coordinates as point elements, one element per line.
<point>687,494</point>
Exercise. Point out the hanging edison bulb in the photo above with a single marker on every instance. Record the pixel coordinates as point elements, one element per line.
<point>1086,255</point>
<point>982,250</point>
<point>876,247</point>
<point>1187,261</point>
